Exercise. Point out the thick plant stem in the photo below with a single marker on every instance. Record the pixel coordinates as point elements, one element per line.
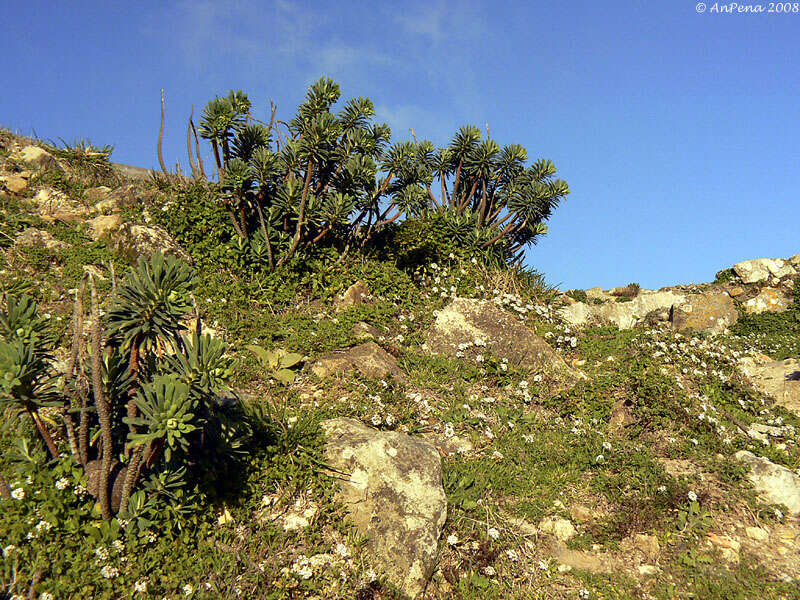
<point>161,136</point>
<point>83,429</point>
<point>130,477</point>
<point>133,369</point>
<point>103,412</point>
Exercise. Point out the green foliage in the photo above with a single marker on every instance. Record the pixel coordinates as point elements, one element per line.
<point>152,300</point>
<point>278,362</point>
<point>167,413</point>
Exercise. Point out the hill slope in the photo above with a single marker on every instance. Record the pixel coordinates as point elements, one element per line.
<point>451,428</point>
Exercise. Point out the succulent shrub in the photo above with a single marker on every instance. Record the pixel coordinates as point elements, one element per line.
<point>154,415</point>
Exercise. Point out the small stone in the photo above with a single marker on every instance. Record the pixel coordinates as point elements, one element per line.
<point>562,529</point>
<point>369,359</point>
<point>103,226</point>
<point>758,534</point>
<point>15,184</point>
<point>777,484</point>
<point>33,237</point>
<point>39,158</point>
<point>647,570</point>
<point>356,294</point>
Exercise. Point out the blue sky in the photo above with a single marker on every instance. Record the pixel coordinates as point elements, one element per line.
<point>678,132</point>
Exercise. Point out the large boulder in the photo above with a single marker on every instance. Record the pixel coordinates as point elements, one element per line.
<point>468,322</point>
<point>775,483</point>
<point>391,484</point>
<point>761,269</point>
<point>369,359</point>
<point>779,379</point>
<point>712,311</point>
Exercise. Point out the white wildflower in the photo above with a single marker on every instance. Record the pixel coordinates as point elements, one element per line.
<point>188,589</point>
<point>140,587</point>
<point>493,533</point>
<point>109,572</point>
<point>489,571</point>
<point>692,496</point>
<point>62,483</point>
<point>46,596</point>
<point>452,539</point>
<point>18,494</point>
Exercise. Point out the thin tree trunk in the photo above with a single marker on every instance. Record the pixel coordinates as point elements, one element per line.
<point>103,411</point>
<point>508,229</point>
<point>215,148</point>
<point>161,135</point>
<point>302,215</point>
<point>133,370</point>
<point>264,231</point>
<point>482,206</point>
<point>5,489</point>
<point>243,217</point>
<point>48,440</point>
<point>454,196</point>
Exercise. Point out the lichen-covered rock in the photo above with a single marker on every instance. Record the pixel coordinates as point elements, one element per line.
<point>134,241</point>
<point>392,488</point>
<point>465,321</point>
<point>369,359</point>
<point>768,300</point>
<point>713,312</point>
<point>38,238</point>
<point>761,269</point>
<point>779,379</point>
<point>102,226</point>
<point>777,484</point>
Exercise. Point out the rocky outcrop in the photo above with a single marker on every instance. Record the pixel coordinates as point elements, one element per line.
<point>467,322</point>
<point>391,484</point>
<point>712,311</point>
<point>764,269</point>
<point>369,359</point>
<point>776,484</point>
<point>622,314</point>
<point>779,379</point>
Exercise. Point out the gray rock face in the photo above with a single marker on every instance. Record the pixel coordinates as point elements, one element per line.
<point>392,488</point>
<point>466,320</point>
<point>778,379</point>
<point>713,312</point>
<point>369,359</point>
<point>777,484</point>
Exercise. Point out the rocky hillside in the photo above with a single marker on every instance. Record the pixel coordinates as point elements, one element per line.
<point>445,431</point>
